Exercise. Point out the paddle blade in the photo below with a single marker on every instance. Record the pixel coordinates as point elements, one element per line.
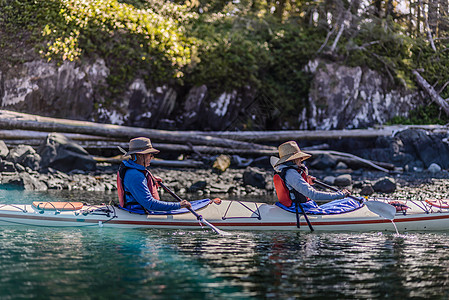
<point>273,160</point>
<point>218,231</point>
<point>381,209</point>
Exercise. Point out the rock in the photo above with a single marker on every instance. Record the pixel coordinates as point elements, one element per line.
<point>4,151</point>
<point>323,162</point>
<point>341,166</point>
<point>329,180</point>
<point>199,185</point>
<point>434,168</point>
<point>385,185</point>
<point>23,181</point>
<point>353,97</point>
<point>429,148</point>
<point>367,190</point>
<point>44,88</point>
<point>220,188</point>
<point>7,166</point>
<point>222,163</point>
<point>343,180</point>
<point>60,153</point>
<point>26,156</point>
<point>254,177</point>
<point>192,107</point>
<point>148,105</point>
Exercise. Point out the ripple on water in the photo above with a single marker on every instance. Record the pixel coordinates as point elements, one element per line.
<point>96,263</point>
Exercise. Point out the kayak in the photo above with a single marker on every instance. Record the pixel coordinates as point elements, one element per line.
<point>231,215</point>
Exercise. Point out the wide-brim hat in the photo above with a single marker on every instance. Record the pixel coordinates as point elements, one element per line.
<point>290,151</point>
<point>140,145</point>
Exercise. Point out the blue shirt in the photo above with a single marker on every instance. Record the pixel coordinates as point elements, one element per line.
<point>135,183</point>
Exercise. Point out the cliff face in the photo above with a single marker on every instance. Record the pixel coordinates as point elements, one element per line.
<point>339,97</point>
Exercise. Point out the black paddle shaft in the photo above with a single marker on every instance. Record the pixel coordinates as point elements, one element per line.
<point>335,189</point>
<point>199,217</point>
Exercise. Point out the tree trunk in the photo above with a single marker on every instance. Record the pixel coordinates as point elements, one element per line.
<point>432,93</point>
<point>13,120</point>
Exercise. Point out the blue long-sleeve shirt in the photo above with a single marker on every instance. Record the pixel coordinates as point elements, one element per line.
<point>135,183</point>
<point>294,180</point>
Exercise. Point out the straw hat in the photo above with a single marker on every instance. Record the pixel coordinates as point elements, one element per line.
<point>140,145</point>
<point>290,151</point>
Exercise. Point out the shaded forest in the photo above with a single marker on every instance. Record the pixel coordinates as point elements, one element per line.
<point>230,45</point>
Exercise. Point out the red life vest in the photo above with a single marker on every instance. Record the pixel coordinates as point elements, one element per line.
<point>282,192</point>
<point>151,183</point>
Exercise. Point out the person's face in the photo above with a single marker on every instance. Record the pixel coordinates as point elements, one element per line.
<point>298,162</point>
<point>148,158</point>
<point>144,159</point>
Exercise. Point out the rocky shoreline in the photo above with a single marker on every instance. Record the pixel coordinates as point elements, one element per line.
<point>60,164</point>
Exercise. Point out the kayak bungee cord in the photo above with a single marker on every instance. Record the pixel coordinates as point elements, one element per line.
<point>381,209</point>
<point>199,217</point>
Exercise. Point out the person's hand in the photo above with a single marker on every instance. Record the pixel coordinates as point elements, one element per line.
<point>158,180</point>
<point>346,192</point>
<point>185,204</point>
<point>311,179</point>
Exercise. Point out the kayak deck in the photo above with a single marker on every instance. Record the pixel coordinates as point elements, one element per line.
<point>229,215</point>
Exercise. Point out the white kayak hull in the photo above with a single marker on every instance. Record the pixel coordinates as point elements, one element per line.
<point>230,215</point>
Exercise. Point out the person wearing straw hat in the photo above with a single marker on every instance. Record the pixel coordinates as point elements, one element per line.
<point>295,175</point>
<point>138,189</point>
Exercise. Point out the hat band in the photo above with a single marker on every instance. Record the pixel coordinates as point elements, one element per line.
<point>141,149</point>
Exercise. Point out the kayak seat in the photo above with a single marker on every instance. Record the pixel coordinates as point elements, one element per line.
<point>196,204</point>
<point>334,207</point>
<point>62,206</point>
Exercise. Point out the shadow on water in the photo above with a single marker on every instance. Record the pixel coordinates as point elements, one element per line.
<point>173,264</point>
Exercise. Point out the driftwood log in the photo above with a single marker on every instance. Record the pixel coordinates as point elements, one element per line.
<point>14,120</point>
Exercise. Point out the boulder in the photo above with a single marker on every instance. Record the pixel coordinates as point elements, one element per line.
<point>254,177</point>
<point>385,185</point>
<point>353,97</point>
<point>343,180</point>
<point>323,162</point>
<point>197,186</point>
<point>4,151</point>
<point>7,166</point>
<point>60,153</point>
<point>367,190</point>
<point>25,156</point>
<point>221,163</point>
<point>429,148</point>
<point>23,181</point>
<point>434,168</point>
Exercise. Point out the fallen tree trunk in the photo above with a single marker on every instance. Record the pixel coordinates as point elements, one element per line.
<point>302,135</point>
<point>14,120</point>
<point>351,158</point>
<point>156,162</point>
<point>432,93</point>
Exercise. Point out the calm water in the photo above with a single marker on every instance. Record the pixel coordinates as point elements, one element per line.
<point>104,263</point>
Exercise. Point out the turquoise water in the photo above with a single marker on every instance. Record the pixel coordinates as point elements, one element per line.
<point>105,263</point>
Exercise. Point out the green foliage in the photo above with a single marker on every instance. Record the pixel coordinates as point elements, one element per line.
<point>430,114</point>
<point>131,39</point>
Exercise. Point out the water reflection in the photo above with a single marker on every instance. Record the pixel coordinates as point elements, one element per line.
<point>161,264</point>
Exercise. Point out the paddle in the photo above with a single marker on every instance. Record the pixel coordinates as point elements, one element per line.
<point>199,217</point>
<point>381,209</point>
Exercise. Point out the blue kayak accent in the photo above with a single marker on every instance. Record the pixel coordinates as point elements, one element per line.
<point>332,208</point>
<point>196,204</point>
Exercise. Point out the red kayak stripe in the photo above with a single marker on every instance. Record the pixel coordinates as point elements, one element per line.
<point>233,224</point>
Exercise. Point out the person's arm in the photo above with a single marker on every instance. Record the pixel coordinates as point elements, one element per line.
<point>136,184</point>
<point>295,180</point>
